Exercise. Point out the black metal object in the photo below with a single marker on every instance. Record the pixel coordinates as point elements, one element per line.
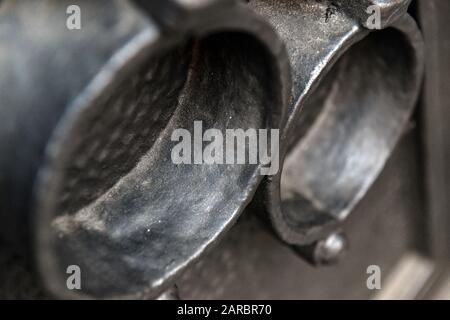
<point>104,164</point>
<point>250,263</point>
<point>86,122</point>
<point>354,91</point>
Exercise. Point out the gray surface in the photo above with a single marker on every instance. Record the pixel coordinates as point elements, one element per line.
<point>251,264</point>
<point>72,183</point>
<point>354,92</point>
<point>435,19</point>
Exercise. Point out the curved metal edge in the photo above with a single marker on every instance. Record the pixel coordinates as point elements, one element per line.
<point>271,186</point>
<point>240,18</point>
<point>118,66</point>
<point>235,18</point>
<point>38,50</point>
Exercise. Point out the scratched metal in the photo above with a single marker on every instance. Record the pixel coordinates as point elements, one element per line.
<point>85,171</point>
<point>354,91</point>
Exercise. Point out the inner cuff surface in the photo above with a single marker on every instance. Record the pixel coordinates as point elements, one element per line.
<point>349,126</point>
<point>125,213</point>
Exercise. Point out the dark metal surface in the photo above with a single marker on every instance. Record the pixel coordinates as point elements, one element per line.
<point>107,197</point>
<point>251,264</point>
<point>354,91</point>
<point>86,176</point>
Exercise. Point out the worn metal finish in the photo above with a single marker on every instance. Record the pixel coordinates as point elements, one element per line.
<point>106,196</point>
<point>250,263</point>
<point>354,91</point>
<point>86,124</point>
